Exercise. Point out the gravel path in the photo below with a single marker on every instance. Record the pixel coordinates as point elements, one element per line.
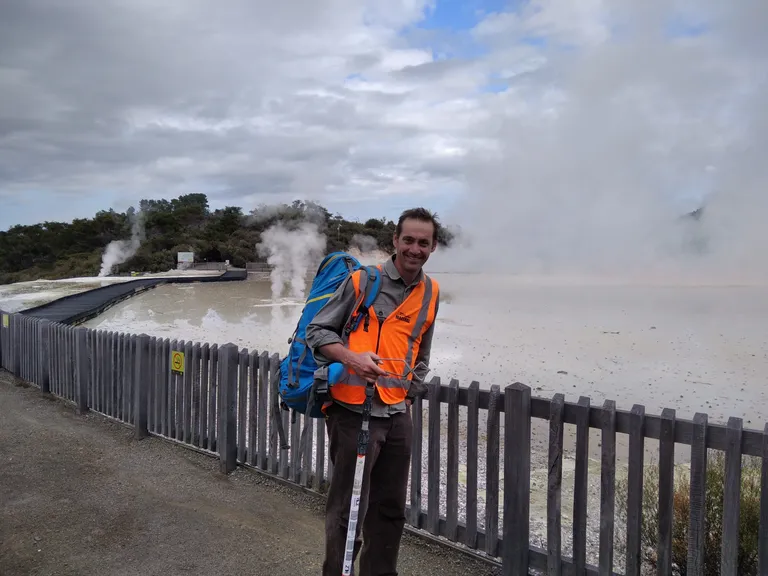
<point>80,497</point>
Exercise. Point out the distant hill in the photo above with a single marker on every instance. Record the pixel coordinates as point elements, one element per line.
<point>162,228</point>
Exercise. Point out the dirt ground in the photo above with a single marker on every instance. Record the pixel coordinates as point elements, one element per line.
<point>79,496</point>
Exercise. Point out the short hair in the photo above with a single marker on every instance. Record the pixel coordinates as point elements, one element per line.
<point>419,214</point>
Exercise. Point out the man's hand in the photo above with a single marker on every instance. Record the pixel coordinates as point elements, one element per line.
<point>365,365</point>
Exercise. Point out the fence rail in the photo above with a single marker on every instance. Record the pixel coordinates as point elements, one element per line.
<point>258,267</point>
<point>473,457</point>
<point>206,266</point>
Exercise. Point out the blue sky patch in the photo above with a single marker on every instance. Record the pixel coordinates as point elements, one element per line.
<point>461,15</point>
<point>678,27</point>
<point>446,29</point>
<point>495,84</point>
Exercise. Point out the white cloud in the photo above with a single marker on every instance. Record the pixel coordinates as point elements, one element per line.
<point>606,120</point>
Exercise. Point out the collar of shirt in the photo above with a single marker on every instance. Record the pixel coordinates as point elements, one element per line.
<point>391,271</point>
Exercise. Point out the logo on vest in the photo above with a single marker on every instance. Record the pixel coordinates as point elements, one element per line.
<point>403,317</point>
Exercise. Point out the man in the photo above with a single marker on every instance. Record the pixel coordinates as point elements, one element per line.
<point>400,325</point>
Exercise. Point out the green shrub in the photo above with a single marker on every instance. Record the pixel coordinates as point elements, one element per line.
<point>713,503</point>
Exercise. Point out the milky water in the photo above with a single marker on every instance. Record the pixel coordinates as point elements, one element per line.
<point>691,348</point>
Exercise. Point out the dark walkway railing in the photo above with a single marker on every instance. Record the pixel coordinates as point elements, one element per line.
<point>76,308</point>
<point>473,462</point>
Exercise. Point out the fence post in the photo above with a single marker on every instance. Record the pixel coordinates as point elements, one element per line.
<point>141,378</point>
<point>517,478</point>
<point>729,555</point>
<point>82,370</point>
<point>227,444</point>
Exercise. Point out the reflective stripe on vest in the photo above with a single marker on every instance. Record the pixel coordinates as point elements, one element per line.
<point>400,338</point>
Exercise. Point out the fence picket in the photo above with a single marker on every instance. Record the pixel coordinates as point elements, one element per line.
<point>433,458</point>
<point>165,387</point>
<point>319,483</point>
<point>555,487</point>
<point>123,388</point>
<point>156,345</point>
<point>83,371</point>
<point>731,500</point>
<point>762,562</point>
<point>284,454</point>
<point>253,413</point>
<point>242,404</point>
<point>452,463</point>
<point>295,472</point>
<point>213,394</point>
<point>306,455</point>
<point>274,367</point>
<point>263,384</point>
<point>140,385</point>
<point>473,423</point>
<point>697,524</point>
<point>580,486</point>
<point>205,359</point>
<point>635,491</point>
<point>180,395</point>
<point>187,433</point>
<point>492,473</point>
<point>416,459</point>
<point>607,487</point>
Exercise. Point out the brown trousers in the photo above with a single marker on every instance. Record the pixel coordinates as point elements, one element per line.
<point>383,498</point>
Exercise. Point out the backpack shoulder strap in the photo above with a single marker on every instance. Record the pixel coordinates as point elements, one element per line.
<point>373,286</point>
<point>370,283</point>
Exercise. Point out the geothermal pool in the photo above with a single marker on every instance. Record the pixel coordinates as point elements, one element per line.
<point>692,348</point>
<point>688,347</point>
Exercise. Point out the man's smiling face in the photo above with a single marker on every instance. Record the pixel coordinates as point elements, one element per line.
<point>414,245</point>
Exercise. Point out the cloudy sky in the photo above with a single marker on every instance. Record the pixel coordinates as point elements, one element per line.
<point>579,129</point>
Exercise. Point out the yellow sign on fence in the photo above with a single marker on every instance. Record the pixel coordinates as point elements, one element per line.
<point>6,321</point>
<point>177,362</point>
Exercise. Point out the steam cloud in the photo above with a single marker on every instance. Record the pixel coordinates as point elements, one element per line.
<point>118,251</point>
<point>363,243</point>
<point>614,142</point>
<point>290,252</point>
<point>366,249</point>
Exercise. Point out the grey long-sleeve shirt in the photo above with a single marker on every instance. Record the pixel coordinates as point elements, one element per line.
<point>328,323</point>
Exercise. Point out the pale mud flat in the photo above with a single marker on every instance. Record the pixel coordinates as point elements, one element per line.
<point>691,348</point>
<point>688,348</point>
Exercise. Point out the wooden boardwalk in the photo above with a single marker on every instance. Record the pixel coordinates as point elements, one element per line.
<point>80,307</point>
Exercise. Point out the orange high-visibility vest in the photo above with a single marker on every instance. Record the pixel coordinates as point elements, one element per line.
<point>397,337</point>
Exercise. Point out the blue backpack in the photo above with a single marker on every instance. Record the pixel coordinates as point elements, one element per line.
<point>297,386</point>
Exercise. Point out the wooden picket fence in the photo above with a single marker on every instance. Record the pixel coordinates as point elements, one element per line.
<point>218,400</point>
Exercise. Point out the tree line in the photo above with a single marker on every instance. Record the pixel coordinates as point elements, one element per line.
<point>55,250</point>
